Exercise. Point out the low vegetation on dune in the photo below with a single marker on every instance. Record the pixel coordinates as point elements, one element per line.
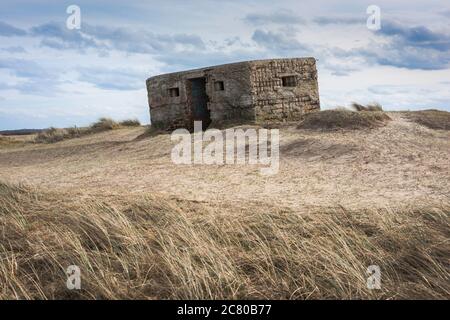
<point>5,140</point>
<point>104,124</point>
<point>344,119</point>
<point>150,246</point>
<point>9,141</point>
<point>130,123</point>
<point>370,107</point>
<point>433,119</point>
<point>52,135</point>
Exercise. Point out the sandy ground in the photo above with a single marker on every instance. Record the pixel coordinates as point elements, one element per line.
<point>401,163</point>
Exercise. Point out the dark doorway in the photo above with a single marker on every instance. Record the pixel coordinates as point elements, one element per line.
<point>199,102</point>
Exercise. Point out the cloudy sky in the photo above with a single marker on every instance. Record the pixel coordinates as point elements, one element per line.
<point>53,76</point>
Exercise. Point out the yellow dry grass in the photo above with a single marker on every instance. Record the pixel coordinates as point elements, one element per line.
<point>155,247</point>
<point>139,226</point>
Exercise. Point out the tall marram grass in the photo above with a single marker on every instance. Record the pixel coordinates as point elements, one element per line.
<point>155,247</point>
<point>104,124</point>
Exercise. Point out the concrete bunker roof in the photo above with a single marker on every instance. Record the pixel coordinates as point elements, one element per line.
<point>248,62</point>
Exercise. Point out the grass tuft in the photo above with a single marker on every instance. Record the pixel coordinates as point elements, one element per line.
<point>370,107</point>
<point>130,123</point>
<point>343,119</point>
<point>51,135</point>
<point>104,124</point>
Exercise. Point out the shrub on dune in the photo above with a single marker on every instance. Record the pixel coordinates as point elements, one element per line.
<point>375,106</point>
<point>130,123</point>
<point>104,124</point>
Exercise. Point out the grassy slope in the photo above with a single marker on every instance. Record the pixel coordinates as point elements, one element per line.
<point>344,119</point>
<point>433,119</point>
<point>151,245</point>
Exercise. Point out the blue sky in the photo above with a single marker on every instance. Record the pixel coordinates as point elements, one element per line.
<point>53,76</point>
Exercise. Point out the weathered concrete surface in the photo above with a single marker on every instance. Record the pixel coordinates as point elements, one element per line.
<point>252,91</point>
<point>272,101</point>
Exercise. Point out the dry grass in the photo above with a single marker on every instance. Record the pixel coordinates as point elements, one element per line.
<point>104,124</point>
<point>150,132</point>
<point>130,123</point>
<point>140,226</point>
<point>343,119</point>
<point>375,106</point>
<point>433,119</point>
<point>6,141</point>
<point>156,247</point>
<point>53,135</point>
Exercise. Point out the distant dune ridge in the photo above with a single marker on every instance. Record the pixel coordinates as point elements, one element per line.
<point>103,124</point>
<point>354,189</point>
<point>19,132</point>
